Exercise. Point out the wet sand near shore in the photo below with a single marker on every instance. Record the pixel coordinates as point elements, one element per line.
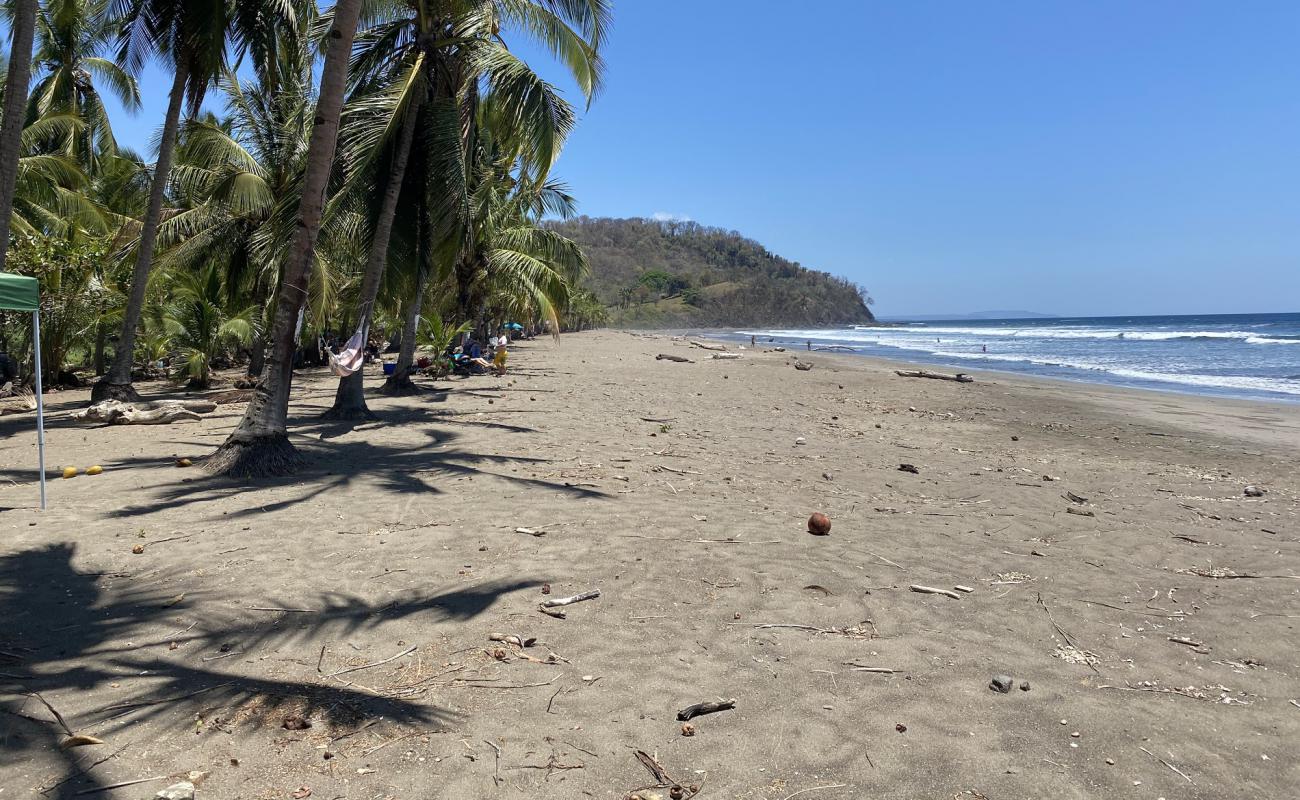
<point>333,631</point>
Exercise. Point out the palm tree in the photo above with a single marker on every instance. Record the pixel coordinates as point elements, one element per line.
<point>71,35</point>
<point>440,49</point>
<point>192,36</point>
<point>240,176</point>
<point>22,26</point>
<point>260,444</point>
<point>202,323</point>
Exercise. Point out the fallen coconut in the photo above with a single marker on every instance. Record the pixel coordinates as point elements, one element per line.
<point>819,524</point>
<point>69,472</point>
<point>95,470</point>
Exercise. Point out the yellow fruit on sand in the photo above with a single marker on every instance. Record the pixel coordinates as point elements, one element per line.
<point>95,470</point>
<point>69,472</point>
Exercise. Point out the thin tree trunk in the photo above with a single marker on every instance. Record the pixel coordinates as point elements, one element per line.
<point>257,355</point>
<point>15,106</point>
<point>400,382</point>
<point>101,342</point>
<point>260,446</point>
<point>350,399</point>
<point>117,383</point>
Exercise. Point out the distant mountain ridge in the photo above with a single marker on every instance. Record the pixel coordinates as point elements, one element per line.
<point>680,274</point>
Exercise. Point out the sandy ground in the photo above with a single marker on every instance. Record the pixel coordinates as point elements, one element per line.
<point>1156,631</point>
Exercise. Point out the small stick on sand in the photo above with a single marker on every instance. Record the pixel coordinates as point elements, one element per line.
<point>405,652</point>
<point>577,598</point>
<point>1167,764</point>
<point>931,590</point>
<point>98,789</point>
<point>864,668</point>
<point>289,610</point>
<point>965,589</point>
<point>710,707</point>
<point>815,788</point>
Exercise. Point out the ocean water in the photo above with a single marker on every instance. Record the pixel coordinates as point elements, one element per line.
<point>1254,356</point>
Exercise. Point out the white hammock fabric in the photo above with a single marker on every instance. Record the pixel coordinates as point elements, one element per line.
<point>352,357</point>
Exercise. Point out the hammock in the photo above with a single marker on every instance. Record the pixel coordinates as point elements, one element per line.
<point>351,358</point>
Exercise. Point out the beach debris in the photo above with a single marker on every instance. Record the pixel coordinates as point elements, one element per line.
<point>800,440</point>
<point>1080,512</point>
<point>163,412</point>
<point>1024,686</point>
<point>1015,438</point>
<point>293,722</point>
<point>177,791</point>
<point>184,462</point>
<point>819,524</point>
<point>1253,491</point>
<point>901,728</point>
<point>577,598</point>
<point>301,792</point>
<point>1074,655</point>
<point>530,531</point>
<point>916,587</point>
<point>94,469</point>
<point>1192,643</point>
<point>79,740</point>
<point>688,729</point>
<point>1001,683</point>
<point>137,549</point>
<point>510,638</point>
<point>1074,498</point>
<point>964,589</point>
<point>69,472</point>
<point>706,346</point>
<point>960,377</point>
<point>1213,693</point>
<point>802,366</point>
<point>670,357</point>
<point>676,791</point>
<point>723,356</point>
<point>709,707</point>
<point>909,468</point>
<point>864,668</point>
<point>826,476</point>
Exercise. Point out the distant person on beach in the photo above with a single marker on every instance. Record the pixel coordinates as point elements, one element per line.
<point>810,344</point>
<point>984,348</point>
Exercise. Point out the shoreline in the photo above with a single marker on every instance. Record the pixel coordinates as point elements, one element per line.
<point>1083,376</point>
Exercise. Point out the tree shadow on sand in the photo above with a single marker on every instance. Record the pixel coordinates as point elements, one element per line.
<point>69,633</point>
<point>414,469</point>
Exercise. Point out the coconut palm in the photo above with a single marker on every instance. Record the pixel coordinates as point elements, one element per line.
<point>439,49</point>
<point>202,323</point>
<point>192,36</point>
<point>22,26</point>
<point>71,37</point>
<point>240,177</point>
<point>260,444</point>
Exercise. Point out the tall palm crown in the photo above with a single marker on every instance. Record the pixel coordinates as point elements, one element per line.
<point>71,38</point>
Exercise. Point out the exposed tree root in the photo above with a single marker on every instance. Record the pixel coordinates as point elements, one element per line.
<point>399,385</point>
<point>260,457</point>
<point>103,390</point>
<point>361,413</point>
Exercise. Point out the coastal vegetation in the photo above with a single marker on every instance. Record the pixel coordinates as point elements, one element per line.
<point>680,274</point>
<point>382,167</point>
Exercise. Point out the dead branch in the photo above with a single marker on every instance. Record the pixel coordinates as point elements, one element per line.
<point>710,707</point>
<point>577,598</point>
<point>921,373</point>
<point>931,590</point>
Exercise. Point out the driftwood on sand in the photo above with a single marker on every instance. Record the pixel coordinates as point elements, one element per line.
<point>706,346</point>
<point>115,412</point>
<point>669,357</point>
<point>726,355</point>
<point>938,376</point>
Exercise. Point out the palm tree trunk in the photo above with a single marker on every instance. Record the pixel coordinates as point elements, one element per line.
<point>101,342</point>
<point>260,446</point>
<point>11,128</point>
<point>117,383</point>
<point>257,354</point>
<point>350,400</point>
<point>400,382</point>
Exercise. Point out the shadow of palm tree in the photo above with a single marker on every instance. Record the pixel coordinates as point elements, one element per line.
<point>70,632</point>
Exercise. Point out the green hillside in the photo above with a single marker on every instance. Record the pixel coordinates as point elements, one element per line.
<point>654,274</point>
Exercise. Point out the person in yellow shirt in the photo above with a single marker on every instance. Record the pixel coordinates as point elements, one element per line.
<point>499,359</point>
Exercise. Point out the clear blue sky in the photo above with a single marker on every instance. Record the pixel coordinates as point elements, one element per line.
<point>1083,158</point>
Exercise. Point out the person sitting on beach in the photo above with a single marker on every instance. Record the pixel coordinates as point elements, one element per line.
<point>475,353</point>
